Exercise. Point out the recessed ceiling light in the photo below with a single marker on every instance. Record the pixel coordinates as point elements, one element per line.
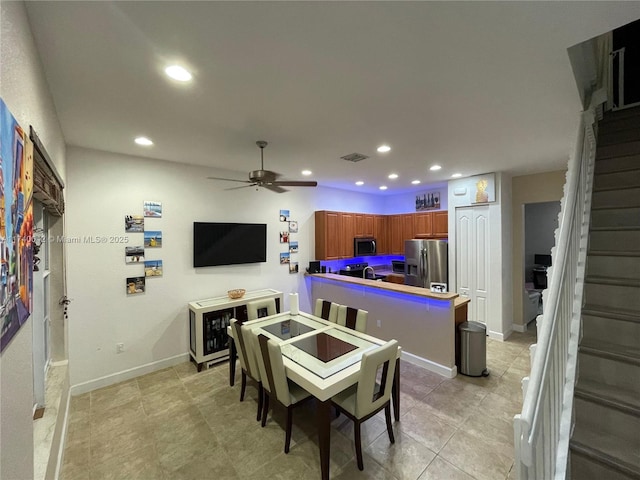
<point>456,175</point>
<point>178,73</point>
<point>143,141</point>
<point>384,148</point>
<point>307,172</point>
<point>359,183</point>
<point>415,182</point>
<point>393,176</point>
<point>383,187</point>
<point>435,167</point>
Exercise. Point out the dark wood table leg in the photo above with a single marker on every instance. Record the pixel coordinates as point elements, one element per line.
<point>232,361</point>
<point>395,391</point>
<point>324,436</point>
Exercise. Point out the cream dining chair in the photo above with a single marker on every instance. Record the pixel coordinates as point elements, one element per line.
<point>276,384</point>
<point>257,308</point>
<point>248,364</point>
<point>366,398</point>
<point>352,318</point>
<point>326,309</point>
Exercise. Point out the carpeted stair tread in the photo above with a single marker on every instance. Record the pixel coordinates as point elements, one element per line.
<point>612,351</point>
<point>613,397</point>
<point>608,455</point>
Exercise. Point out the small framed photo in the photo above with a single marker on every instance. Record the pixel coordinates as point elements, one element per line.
<point>284,215</point>
<point>284,258</point>
<point>293,267</point>
<point>152,209</point>
<point>153,239</point>
<point>134,254</point>
<point>293,226</point>
<point>133,223</point>
<point>293,247</point>
<point>153,268</point>
<point>284,237</point>
<point>438,287</point>
<point>135,285</point>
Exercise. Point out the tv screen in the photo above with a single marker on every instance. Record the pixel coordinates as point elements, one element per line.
<point>544,260</point>
<point>228,243</point>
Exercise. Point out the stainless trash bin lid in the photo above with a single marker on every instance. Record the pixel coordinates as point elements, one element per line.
<point>473,327</point>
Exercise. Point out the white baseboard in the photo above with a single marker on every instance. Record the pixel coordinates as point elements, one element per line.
<point>118,377</point>
<point>519,328</point>
<point>429,365</point>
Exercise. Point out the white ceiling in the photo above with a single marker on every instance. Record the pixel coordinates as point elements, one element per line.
<point>475,87</point>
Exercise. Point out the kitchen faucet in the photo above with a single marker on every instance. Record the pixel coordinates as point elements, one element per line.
<point>364,272</point>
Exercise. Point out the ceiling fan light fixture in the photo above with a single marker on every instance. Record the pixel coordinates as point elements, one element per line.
<point>144,141</point>
<point>178,73</point>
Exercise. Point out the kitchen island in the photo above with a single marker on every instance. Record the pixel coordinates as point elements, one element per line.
<point>423,322</point>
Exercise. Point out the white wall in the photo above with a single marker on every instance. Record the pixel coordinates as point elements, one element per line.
<point>499,309</point>
<point>26,94</point>
<point>103,188</point>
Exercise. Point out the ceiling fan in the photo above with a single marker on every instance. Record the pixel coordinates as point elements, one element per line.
<point>267,178</point>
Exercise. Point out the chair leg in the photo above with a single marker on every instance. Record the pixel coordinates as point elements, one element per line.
<point>287,439</point>
<point>387,414</point>
<point>260,401</point>
<point>243,386</point>
<point>265,409</point>
<point>356,428</point>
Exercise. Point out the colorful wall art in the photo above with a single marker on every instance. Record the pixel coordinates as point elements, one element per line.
<point>16,226</point>
<point>152,239</point>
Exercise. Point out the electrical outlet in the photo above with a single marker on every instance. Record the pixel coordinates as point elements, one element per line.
<point>379,322</point>
<point>119,347</point>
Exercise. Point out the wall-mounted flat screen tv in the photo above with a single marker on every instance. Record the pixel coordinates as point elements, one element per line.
<point>228,243</point>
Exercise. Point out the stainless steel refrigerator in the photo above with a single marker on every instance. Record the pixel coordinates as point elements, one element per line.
<point>426,262</point>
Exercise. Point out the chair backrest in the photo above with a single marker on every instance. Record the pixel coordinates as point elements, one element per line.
<point>352,318</point>
<point>326,309</point>
<point>240,343</point>
<point>250,353</point>
<point>275,377</point>
<point>261,308</point>
<point>371,394</point>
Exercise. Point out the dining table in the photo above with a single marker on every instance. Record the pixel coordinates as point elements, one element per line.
<point>323,358</point>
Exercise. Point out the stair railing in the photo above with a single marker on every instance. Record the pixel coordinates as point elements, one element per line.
<point>543,429</point>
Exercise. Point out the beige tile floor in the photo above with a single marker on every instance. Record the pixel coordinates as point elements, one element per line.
<point>180,424</point>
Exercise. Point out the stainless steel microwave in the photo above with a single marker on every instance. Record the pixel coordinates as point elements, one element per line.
<point>364,246</point>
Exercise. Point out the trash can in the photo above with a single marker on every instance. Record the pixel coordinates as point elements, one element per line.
<point>473,349</point>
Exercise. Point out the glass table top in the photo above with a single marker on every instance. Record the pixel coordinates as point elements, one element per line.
<point>289,328</point>
<point>327,352</point>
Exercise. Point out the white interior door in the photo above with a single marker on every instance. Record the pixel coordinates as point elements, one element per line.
<point>472,259</point>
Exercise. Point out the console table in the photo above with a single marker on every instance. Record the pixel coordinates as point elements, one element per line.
<point>209,319</point>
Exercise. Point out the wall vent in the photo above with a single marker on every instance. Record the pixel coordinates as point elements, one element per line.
<point>354,157</point>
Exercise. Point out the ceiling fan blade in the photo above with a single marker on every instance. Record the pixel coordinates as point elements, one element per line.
<point>274,188</point>
<point>242,186</point>
<point>229,179</point>
<point>295,183</point>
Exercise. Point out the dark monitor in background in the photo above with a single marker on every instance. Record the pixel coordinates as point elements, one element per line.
<point>544,260</point>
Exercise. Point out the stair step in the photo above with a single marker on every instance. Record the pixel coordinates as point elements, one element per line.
<point>624,315</point>
<point>613,296</point>
<point>608,371</point>
<point>607,280</point>
<point>613,137</point>
<point>615,266</point>
<point>619,240</point>
<point>618,150</point>
<point>607,328</point>
<point>614,180</point>
<point>608,431</point>
<point>588,463</point>
<point>625,197</point>
<point>613,351</point>
<point>616,164</point>
<point>608,126</point>
<point>617,398</point>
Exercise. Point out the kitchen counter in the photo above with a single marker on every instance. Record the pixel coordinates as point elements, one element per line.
<point>423,322</point>
<point>395,287</point>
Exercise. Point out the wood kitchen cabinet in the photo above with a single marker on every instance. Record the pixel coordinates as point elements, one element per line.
<point>396,235</point>
<point>423,225</point>
<point>347,234</point>
<point>407,228</point>
<point>364,225</point>
<point>441,224</point>
<point>328,235</point>
<point>381,234</point>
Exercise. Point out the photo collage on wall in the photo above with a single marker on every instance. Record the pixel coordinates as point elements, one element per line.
<point>285,237</point>
<point>137,254</point>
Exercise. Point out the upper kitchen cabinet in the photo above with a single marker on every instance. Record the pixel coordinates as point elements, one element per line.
<point>328,235</point>
<point>364,225</point>
<point>381,234</point>
<point>441,224</point>
<point>348,233</point>
<point>431,224</point>
<point>396,238</point>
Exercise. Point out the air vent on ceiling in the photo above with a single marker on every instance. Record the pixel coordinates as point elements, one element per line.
<point>354,157</point>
